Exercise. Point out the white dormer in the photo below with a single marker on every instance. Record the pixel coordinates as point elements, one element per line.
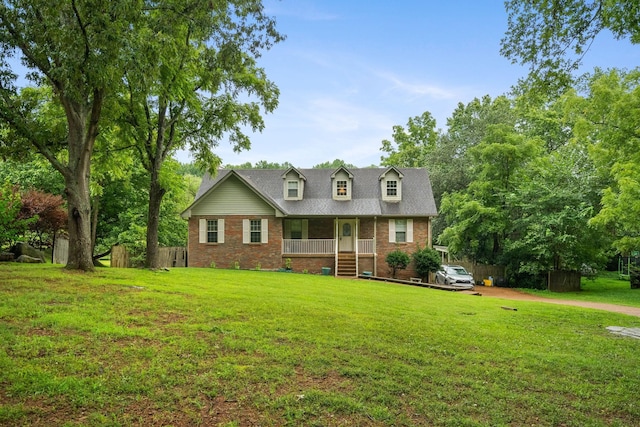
<point>341,184</point>
<point>293,184</point>
<point>391,185</point>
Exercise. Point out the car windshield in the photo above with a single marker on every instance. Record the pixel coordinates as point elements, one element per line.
<point>457,270</point>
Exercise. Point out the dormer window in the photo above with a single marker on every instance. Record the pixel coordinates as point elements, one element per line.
<point>341,188</point>
<point>391,185</point>
<point>293,184</point>
<point>292,189</point>
<point>392,188</point>
<point>342,184</point>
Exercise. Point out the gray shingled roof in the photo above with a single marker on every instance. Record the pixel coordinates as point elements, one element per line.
<point>366,198</point>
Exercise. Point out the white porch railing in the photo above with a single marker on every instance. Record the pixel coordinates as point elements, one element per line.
<point>365,246</point>
<point>321,246</point>
<point>308,246</point>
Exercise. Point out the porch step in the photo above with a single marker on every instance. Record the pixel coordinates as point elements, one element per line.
<point>346,264</point>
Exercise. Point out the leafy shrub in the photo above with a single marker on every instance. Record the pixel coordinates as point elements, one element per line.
<point>634,277</point>
<point>427,261</point>
<point>397,260</point>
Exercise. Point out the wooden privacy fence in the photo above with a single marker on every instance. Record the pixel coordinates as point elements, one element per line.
<point>175,256</point>
<point>60,250</point>
<point>484,271</point>
<point>119,257</point>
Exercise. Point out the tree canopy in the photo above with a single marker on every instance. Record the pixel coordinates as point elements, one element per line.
<point>552,37</point>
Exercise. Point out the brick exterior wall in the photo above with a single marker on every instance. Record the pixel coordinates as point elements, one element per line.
<point>269,255</point>
<point>421,236</point>
<point>225,255</point>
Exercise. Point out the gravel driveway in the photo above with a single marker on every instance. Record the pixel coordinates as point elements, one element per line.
<point>514,294</point>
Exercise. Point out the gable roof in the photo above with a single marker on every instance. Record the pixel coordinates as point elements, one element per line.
<point>366,198</point>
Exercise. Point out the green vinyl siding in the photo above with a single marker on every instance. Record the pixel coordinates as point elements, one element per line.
<point>232,197</point>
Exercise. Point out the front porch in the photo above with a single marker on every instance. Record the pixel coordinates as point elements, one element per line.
<point>346,253</point>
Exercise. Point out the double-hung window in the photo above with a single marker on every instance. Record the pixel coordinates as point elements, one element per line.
<point>212,231</point>
<point>401,230</point>
<point>256,230</point>
<point>292,189</point>
<point>392,188</point>
<point>341,188</point>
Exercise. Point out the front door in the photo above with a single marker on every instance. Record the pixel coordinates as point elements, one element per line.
<point>346,235</point>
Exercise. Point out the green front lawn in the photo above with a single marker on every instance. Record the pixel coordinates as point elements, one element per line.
<point>235,348</point>
<point>607,288</point>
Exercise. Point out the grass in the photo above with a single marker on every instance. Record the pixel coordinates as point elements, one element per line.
<point>607,288</point>
<point>234,348</point>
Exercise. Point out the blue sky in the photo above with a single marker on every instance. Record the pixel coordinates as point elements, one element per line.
<point>350,70</point>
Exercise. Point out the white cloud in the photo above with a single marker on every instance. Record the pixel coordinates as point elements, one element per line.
<point>417,89</point>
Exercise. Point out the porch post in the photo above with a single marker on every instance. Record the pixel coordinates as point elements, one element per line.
<point>335,253</point>
<point>357,238</point>
<point>375,245</point>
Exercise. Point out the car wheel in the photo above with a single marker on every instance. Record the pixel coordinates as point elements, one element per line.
<point>446,282</point>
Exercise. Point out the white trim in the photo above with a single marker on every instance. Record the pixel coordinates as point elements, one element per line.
<point>409,230</point>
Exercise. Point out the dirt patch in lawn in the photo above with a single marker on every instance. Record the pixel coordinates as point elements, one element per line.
<point>514,294</point>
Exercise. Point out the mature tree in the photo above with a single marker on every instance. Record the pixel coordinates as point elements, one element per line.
<point>551,208</point>
<point>607,125</point>
<point>553,36</point>
<point>261,164</point>
<point>449,163</point>
<point>194,81</point>
<point>334,165</point>
<point>78,49</point>
<point>411,146</point>
<point>478,217</point>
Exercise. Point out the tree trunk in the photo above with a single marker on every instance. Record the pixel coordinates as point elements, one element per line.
<point>156,193</point>
<point>95,207</point>
<point>78,201</point>
<point>82,119</point>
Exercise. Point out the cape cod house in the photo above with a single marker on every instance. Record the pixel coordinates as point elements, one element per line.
<point>317,220</point>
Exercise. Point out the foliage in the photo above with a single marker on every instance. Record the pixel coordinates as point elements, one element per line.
<point>12,226</point>
<point>334,165</point>
<point>397,260</point>
<point>552,207</point>
<point>189,169</point>
<point>46,212</point>
<point>427,260</point>
<point>77,54</point>
<point>37,174</point>
<point>411,147</point>
<point>553,37</point>
<point>193,81</point>
<point>85,359</point>
<point>611,136</point>
<point>478,218</point>
<point>262,164</point>
<point>634,277</point>
<point>124,204</point>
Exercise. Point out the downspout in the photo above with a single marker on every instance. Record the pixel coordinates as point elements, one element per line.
<point>375,245</point>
